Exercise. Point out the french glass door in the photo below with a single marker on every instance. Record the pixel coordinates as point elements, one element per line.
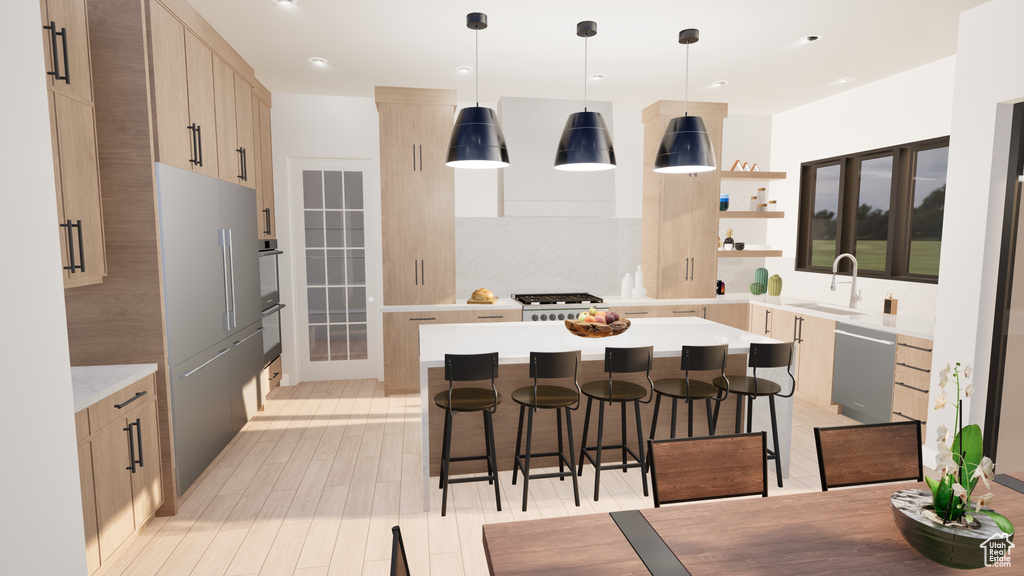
<point>336,224</point>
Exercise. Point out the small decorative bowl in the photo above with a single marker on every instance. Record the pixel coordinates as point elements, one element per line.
<point>596,329</point>
<point>740,245</point>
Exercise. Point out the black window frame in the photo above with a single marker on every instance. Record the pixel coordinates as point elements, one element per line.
<point>901,204</point>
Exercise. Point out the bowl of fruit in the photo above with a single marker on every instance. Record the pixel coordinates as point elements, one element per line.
<point>597,324</point>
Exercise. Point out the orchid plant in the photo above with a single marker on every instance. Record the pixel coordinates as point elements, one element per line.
<point>960,461</point>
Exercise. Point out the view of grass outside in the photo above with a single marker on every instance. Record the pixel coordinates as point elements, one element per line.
<point>825,208</point>
<point>926,220</point>
<point>874,199</point>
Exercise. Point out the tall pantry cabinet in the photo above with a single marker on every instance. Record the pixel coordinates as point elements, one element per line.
<point>417,195</point>
<point>73,134</point>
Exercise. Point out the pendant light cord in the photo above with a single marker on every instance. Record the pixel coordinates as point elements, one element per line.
<point>476,36</point>
<point>686,96</point>
<point>585,55</point>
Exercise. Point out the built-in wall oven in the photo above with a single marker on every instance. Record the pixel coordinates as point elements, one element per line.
<point>270,297</point>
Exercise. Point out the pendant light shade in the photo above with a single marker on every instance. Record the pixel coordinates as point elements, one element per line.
<point>586,143</point>
<point>686,147</point>
<point>477,140</point>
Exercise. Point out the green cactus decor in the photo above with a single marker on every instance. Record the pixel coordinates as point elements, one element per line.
<point>760,285</point>
<point>775,285</point>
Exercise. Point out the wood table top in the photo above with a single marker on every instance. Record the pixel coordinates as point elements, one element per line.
<point>842,531</point>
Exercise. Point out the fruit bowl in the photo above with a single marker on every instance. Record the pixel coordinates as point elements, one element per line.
<point>597,329</point>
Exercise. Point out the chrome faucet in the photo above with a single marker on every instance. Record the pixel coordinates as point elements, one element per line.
<point>854,293</point>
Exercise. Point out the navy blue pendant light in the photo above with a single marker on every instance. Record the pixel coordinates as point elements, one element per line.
<point>686,147</point>
<point>586,144</point>
<point>477,141</point>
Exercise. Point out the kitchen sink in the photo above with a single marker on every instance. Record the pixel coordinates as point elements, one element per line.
<point>829,309</point>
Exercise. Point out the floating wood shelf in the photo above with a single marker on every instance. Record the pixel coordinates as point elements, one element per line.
<point>738,175</point>
<point>749,253</point>
<point>750,214</point>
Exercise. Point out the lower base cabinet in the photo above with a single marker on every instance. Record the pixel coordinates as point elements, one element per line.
<point>270,378</point>
<point>119,466</point>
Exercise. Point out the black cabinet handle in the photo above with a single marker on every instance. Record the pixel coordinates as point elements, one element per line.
<point>421,157</point>
<point>53,51</point>
<point>72,266</point>
<point>241,162</point>
<point>914,388</point>
<point>638,313</point>
<point>195,155</point>
<point>138,435</point>
<point>131,447</point>
<point>413,157</point>
<point>800,338</point>
<point>64,40</point>
<point>199,137</point>
<point>489,317</point>
<point>418,319</point>
<point>905,365</point>
<point>902,415</point>
<point>423,274</point>
<point>687,277</point>
<point>416,271</point>
<point>913,347</point>
<point>130,400</point>
<point>766,313</point>
<point>684,311</point>
<point>81,247</point>
<point>705,313</point>
<point>266,217</point>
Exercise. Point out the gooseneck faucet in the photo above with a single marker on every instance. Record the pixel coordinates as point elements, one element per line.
<point>854,293</point>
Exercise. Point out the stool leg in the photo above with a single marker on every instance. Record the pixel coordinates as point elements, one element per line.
<point>717,406</point>
<point>526,469</point>
<point>561,462</point>
<point>750,414</point>
<point>583,443</point>
<point>675,407</point>
<point>487,445</point>
<point>624,455</point>
<point>489,423</point>
<point>654,422</point>
<point>572,456</point>
<point>689,416</point>
<point>711,422</point>
<point>519,442</point>
<point>739,413</point>
<point>640,445</point>
<point>600,440</point>
<point>446,454</point>
<point>775,441</point>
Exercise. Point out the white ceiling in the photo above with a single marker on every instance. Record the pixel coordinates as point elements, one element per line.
<point>531,49</point>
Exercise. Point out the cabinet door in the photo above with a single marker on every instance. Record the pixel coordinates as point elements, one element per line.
<point>80,187</point>
<point>402,129</point>
<point>147,486</point>
<point>817,357</point>
<point>201,408</point>
<point>266,170</point>
<point>784,325</point>
<point>760,319</point>
<point>228,158</point>
<point>404,239</point>
<point>262,220</point>
<point>174,140</point>
<point>201,102</point>
<point>74,68</point>
<point>246,359</point>
<point>438,122</point>
<point>244,132</point>
<point>111,461</point>
<point>85,475</point>
<point>402,350</point>
<point>62,233</point>
<point>734,315</point>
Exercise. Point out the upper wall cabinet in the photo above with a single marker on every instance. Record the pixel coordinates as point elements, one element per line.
<point>264,168</point>
<point>234,124</point>
<point>66,48</point>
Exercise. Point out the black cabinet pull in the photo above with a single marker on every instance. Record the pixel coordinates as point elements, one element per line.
<point>766,313</point>
<point>53,51</point>
<point>199,137</point>
<point>905,365</point>
<point>64,40</point>
<point>489,317</point>
<point>416,271</point>
<point>138,435</point>
<point>195,156</point>
<point>266,217</point>
<point>421,157</point>
<point>131,447</point>
<point>423,274</point>
<point>241,162</point>
<point>914,347</point>
<point>418,319</point>
<point>638,313</point>
<point>801,336</point>
<point>684,311</point>
<point>902,415</point>
<point>130,400</point>
<point>72,266</point>
<point>705,313</point>
<point>413,157</point>
<point>81,247</point>
<point>914,388</point>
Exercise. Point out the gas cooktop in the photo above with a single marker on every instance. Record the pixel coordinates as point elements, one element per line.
<point>556,299</point>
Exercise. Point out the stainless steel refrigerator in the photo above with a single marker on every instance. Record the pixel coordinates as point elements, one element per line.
<point>208,242</point>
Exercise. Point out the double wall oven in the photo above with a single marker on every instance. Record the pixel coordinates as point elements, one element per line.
<point>270,297</point>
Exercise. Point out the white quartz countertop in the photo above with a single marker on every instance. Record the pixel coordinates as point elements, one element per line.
<point>501,304</point>
<point>513,341</point>
<point>91,384</point>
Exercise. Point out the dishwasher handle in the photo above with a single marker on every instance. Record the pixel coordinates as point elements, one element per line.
<point>852,335</point>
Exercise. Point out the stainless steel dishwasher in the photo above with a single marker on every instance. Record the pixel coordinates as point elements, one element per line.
<point>863,372</point>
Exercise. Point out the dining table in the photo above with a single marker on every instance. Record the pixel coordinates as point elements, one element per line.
<point>837,532</point>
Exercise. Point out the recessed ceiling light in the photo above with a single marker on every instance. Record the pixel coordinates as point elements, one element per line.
<point>845,80</point>
<point>718,83</point>
<point>810,38</point>
<point>598,76</point>
<point>464,69</point>
<point>286,2</point>
<point>318,61</point>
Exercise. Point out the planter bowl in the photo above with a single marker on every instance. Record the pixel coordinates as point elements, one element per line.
<point>597,330</point>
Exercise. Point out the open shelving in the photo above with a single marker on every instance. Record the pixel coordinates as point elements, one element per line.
<point>750,253</point>
<point>750,214</point>
<point>755,176</point>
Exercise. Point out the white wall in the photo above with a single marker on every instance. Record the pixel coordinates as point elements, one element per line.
<point>41,499</point>
<point>910,106</point>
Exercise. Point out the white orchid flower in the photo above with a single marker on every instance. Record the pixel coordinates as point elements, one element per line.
<point>943,379</point>
<point>968,370</point>
<point>959,491</point>
<point>985,470</point>
<point>984,501</point>
<point>940,400</point>
<point>944,435</point>
<point>944,462</point>
<point>969,390</point>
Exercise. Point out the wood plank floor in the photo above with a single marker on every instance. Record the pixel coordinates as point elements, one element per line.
<point>313,485</point>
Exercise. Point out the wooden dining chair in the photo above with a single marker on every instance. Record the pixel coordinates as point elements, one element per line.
<point>685,469</point>
<point>869,453</point>
<point>399,563</point>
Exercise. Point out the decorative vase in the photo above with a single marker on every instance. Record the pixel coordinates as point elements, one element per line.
<point>728,242</point>
<point>775,285</point>
<point>956,546</point>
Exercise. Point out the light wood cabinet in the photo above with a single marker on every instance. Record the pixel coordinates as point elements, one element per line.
<point>680,211</point>
<point>264,168</point>
<point>244,133</point>
<point>816,343</point>
<point>66,48</point>
<point>270,378</point>
<point>417,195</point>
<point>233,98</point>
<point>911,379</point>
<point>734,315</point>
<point>119,468</point>
<point>402,341</point>
<point>760,319</point>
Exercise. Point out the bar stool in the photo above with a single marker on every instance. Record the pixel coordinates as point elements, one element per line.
<point>694,358</point>
<point>469,367</point>
<point>548,365</point>
<point>617,360</point>
<point>762,355</point>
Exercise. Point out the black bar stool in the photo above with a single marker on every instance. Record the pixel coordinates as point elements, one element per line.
<point>694,358</point>
<point>764,355</point>
<point>548,365</point>
<point>469,367</point>
<point>617,360</point>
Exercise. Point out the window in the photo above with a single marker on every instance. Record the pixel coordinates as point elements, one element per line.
<point>883,206</point>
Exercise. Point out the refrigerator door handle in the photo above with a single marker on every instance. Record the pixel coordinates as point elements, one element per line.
<point>231,269</point>
<point>237,342</point>
<point>205,364</point>
<point>224,264</point>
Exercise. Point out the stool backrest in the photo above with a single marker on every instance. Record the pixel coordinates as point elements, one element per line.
<point>770,355</point>
<point>555,364</point>
<point>399,563</point>
<point>704,357</point>
<point>459,367</point>
<point>628,359</point>
<point>685,469</point>
<point>869,453</point>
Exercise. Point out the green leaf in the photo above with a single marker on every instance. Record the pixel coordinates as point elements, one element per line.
<point>933,484</point>
<point>970,439</point>
<point>943,498</point>
<point>1000,520</point>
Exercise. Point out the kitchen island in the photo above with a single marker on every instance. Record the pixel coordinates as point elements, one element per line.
<point>515,340</point>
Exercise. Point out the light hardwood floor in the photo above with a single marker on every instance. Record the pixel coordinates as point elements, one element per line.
<point>313,485</point>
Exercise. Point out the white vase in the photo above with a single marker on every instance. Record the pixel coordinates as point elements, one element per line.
<point>627,286</point>
<point>639,281</point>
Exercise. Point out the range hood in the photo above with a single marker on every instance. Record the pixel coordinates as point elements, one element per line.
<point>531,186</point>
